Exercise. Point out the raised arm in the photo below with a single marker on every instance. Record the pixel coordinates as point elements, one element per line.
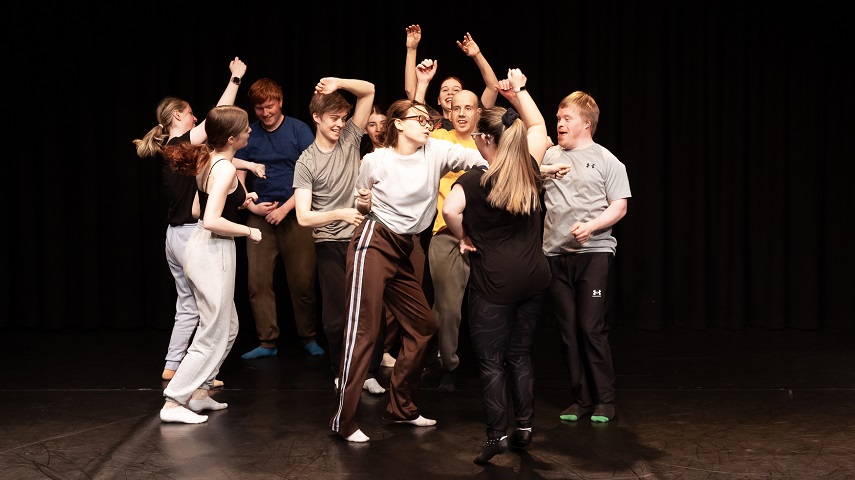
<point>514,90</point>
<point>425,72</point>
<point>364,92</point>
<point>414,36</point>
<point>472,50</point>
<point>237,69</point>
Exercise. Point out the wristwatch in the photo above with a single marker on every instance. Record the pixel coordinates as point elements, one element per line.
<point>519,89</point>
<point>236,80</point>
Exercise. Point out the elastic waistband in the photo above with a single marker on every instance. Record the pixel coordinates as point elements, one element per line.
<point>373,216</point>
<point>214,235</point>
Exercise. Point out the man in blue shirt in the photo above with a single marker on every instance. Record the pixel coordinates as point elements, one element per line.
<point>277,141</point>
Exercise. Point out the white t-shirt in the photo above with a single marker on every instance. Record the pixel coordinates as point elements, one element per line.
<point>404,189</point>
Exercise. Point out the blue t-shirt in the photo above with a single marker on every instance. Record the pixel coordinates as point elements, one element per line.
<point>278,151</point>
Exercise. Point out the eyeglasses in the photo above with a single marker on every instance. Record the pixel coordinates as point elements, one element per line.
<point>475,134</point>
<point>423,120</point>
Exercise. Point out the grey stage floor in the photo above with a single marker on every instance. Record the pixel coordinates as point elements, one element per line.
<point>716,404</point>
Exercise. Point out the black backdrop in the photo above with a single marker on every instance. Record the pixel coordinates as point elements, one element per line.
<point>733,121</point>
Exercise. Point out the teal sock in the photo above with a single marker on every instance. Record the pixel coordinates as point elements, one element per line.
<point>314,349</point>
<point>259,352</point>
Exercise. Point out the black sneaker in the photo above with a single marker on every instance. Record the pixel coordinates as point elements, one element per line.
<point>494,446</point>
<point>520,438</point>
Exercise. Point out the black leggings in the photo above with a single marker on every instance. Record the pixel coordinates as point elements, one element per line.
<point>502,335</point>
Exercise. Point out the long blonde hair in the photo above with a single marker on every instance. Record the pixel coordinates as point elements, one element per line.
<point>512,180</point>
<point>154,139</point>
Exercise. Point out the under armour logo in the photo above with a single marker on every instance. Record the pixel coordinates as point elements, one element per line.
<point>598,293</point>
<point>590,165</point>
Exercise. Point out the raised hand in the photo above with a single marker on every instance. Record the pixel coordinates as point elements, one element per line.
<point>468,45</point>
<point>327,85</point>
<point>237,67</point>
<point>426,70</point>
<point>414,36</point>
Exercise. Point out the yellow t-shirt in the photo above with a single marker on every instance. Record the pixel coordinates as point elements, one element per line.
<point>449,178</point>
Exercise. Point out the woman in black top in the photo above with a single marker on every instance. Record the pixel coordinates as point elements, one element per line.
<point>210,260</point>
<point>502,229</point>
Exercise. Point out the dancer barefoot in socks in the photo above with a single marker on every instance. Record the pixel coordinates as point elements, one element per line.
<point>323,191</point>
<point>177,124</point>
<point>397,190</point>
<point>210,261</point>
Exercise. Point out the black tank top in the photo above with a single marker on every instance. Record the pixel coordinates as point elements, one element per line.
<point>233,201</point>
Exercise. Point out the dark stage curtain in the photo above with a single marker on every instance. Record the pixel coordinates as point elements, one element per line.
<point>732,120</point>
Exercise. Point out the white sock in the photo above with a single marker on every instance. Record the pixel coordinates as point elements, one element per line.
<point>206,403</point>
<point>357,437</point>
<point>180,414</point>
<point>419,422</point>
<point>373,387</point>
<point>388,360</point>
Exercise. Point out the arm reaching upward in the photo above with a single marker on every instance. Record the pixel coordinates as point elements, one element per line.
<point>237,69</point>
<point>538,140</point>
<point>414,36</point>
<point>472,50</point>
<point>425,72</point>
<point>364,92</point>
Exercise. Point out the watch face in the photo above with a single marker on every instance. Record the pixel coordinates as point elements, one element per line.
<point>236,80</point>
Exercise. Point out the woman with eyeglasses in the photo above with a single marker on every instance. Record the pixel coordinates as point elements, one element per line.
<point>496,215</point>
<point>397,192</point>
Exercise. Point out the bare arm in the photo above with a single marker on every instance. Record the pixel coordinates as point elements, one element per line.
<point>364,92</point>
<point>363,200</point>
<point>237,69</point>
<point>311,218</point>
<point>452,211</point>
<point>538,139</point>
<point>425,72</point>
<point>220,182</point>
<point>472,50</point>
<point>414,36</point>
<point>245,165</point>
<point>610,216</point>
<point>196,209</point>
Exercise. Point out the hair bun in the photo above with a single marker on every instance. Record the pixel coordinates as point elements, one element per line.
<point>509,117</point>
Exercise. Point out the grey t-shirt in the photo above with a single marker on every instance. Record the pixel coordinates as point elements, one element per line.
<point>596,177</point>
<point>331,176</point>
